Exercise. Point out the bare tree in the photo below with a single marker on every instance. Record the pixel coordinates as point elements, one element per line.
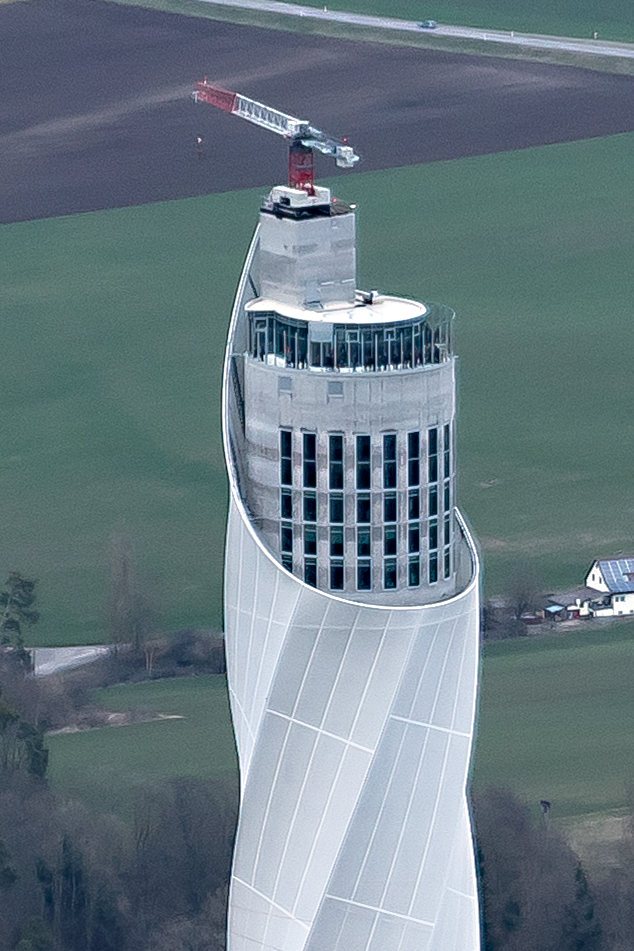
<point>535,894</point>
<point>132,616</point>
<point>523,587</point>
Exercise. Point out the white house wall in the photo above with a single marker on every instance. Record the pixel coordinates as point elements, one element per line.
<point>623,603</point>
<point>595,579</point>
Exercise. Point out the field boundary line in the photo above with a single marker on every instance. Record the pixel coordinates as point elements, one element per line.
<point>613,57</point>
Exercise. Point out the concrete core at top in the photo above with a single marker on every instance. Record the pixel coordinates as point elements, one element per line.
<point>307,249</point>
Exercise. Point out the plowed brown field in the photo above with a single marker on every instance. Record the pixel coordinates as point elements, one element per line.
<point>95,110</point>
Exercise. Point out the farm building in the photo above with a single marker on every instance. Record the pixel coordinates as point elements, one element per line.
<point>608,592</point>
<point>615,578</point>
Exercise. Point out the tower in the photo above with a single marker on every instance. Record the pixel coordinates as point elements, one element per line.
<point>351,603</point>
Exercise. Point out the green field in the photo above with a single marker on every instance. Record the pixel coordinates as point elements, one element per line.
<point>112,334</point>
<point>613,19</point>
<point>103,767</point>
<point>556,722</point>
<point>557,719</point>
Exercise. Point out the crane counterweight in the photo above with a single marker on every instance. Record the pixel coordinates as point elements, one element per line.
<point>303,138</point>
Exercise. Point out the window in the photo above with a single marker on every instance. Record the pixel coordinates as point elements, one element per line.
<point>310,572</point>
<point>433,568</point>
<point>364,576</point>
<point>310,460</point>
<point>310,541</point>
<point>389,508</point>
<point>413,577</point>
<point>336,575</point>
<point>389,462</point>
<point>364,480</point>
<point>336,509</point>
<point>413,458</point>
<point>364,545</point>
<point>287,562</point>
<point>413,504</point>
<point>286,462</point>
<point>447,530</point>
<point>432,450</point>
<point>399,346</point>
<point>389,573</point>
<point>336,542</point>
<point>364,509</point>
<point>321,355</point>
<point>389,541</point>
<point>336,462</point>
<point>433,500</point>
<point>287,537</point>
<point>413,542</point>
<point>310,507</point>
<point>447,497</point>
<point>447,564</point>
<point>446,452</point>
<point>433,535</point>
<point>286,504</point>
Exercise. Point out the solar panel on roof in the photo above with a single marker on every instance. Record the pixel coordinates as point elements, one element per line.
<point>615,572</point>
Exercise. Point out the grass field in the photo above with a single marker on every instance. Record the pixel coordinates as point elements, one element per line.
<point>609,22</point>
<point>612,19</point>
<point>556,722</point>
<point>557,719</point>
<point>112,337</point>
<point>103,767</point>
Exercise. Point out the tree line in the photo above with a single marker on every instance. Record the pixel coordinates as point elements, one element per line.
<point>72,879</point>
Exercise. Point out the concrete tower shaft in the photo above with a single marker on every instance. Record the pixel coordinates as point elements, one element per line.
<point>352,395</point>
<point>351,604</point>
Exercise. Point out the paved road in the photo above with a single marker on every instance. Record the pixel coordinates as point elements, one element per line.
<point>527,40</point>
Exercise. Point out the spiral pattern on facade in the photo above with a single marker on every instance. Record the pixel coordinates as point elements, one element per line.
<point>354,724</point>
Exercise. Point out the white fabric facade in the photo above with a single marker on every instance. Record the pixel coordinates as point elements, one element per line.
<point>354,728</point>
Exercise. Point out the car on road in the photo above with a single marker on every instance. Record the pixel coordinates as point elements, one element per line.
<point>428,25</point>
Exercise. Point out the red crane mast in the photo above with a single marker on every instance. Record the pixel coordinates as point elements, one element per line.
<point>302,137</point>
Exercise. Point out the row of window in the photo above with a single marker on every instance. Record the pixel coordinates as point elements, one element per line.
<point>364,571</point>
<point>364,506</point>
<point>363,453</point>
<point>375,347</point>
<point>364,541</point>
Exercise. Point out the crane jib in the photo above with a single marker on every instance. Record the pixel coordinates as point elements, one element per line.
<point>301,134</point>
<point>271,119</point>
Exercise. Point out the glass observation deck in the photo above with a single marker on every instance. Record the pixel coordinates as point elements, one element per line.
<point>325,345</point>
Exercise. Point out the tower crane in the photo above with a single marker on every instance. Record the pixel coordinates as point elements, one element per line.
<point>302,137</point>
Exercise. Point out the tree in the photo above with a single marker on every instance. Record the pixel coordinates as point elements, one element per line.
<point>35,936</point>
<point>132,618</point>
<point>154,646</point>
<point>582,930</point>
<point>524,587</point>
<point>16,607</point>
<point>8,872</point>
<point>21,744</point>
<point>203,932</point>
<point>535,895</point>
